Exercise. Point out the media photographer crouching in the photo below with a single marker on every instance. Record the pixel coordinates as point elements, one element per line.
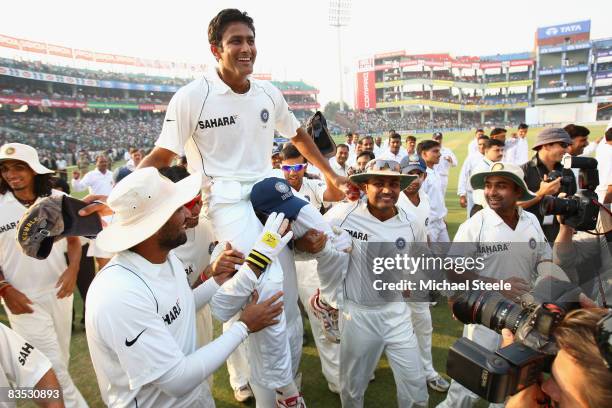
<point>572,346</point>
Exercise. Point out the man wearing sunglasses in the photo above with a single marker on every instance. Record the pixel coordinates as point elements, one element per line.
<point>550,146</point>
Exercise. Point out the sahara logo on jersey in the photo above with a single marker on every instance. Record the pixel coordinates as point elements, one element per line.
<point>217,122</point>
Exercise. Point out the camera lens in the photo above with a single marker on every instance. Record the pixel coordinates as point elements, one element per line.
<point>558,206</point>
<point>490,309</point>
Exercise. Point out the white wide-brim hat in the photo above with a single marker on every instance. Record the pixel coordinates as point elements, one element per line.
<point>24,153</point>
<point>142,203</point>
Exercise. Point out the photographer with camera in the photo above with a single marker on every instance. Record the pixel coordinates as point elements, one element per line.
<point>581,372</point>
<point>544,174</point>
<point>587,258</point>
<point>513,248</point>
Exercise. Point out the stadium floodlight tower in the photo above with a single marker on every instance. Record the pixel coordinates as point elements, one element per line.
<point>339,16</point>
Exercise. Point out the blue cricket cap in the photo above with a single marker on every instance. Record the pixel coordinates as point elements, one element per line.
<point>275,195</point>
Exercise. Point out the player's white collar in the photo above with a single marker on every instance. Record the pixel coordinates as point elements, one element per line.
<point>497,220</point>
<point>219,87</point>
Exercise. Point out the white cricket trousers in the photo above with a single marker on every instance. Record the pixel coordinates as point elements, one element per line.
<point>458,396</point>
<point>444,183</point>
<point>421,322</point>
<point>366,332</point>
<point>436,229</point>
<point>329,352</point>
<point>265,397</point>
<point>470,203</point>
<point>269,349</point>
<point>49,329</point>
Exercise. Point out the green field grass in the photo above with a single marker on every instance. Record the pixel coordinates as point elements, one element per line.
<point>381,392</point>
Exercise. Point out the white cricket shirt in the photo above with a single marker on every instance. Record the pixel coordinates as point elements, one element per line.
<point>433,187</point>
<point>506,252</point>
<point>312,191</point>
<point>467,169</point>
<point>195,253</point>
<point>34,277</point>
<point>388,155</point>
<point>444,166</point>
<point>368,232</point>
<point>21,365</point>
<point>419,214</point>
<point>226,135</point>
<point>140,322</point>
<point>98,183</point>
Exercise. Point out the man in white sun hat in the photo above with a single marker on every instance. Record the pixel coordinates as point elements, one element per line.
<point>375,321</point>
<point>37,295</point>
<point>140,309</point>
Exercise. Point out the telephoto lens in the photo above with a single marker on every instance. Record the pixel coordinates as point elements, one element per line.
<point>490,309</point>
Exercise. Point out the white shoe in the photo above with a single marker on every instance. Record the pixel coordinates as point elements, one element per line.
<point>438,384</point>
<point>243,393</point>
<point>295,401</point>
<point>327,315</point>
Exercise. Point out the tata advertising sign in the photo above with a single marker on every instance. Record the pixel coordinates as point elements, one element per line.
<point>560,30</point>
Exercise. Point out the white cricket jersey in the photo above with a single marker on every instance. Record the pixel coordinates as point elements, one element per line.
<point>603,155</point>
<point>433,187</point>
<point>506,252</point>
<point>339,170</point>
<point>419,214</point>
<point>478,195</point>
<point>510,151</point>
<point>97,182</point>
<point>34,277</point>
<point>313,191</point>
<point>467,169</point>
<point>521,154</point>
<point>443,167</point>
<point>140,323</point>
<point>226,135</point>
<point>368,232</point>
<point>388,155</point>
<point>195,253</point>
<point>21,365</point>
<point>473,147</point>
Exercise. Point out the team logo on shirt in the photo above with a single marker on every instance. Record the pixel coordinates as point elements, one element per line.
<point>361,236</point>
<point>9,226</point>
<point>532,243</point>
<point>400,243</point>
<point>427,221</point>
<point>25,352</point>
<point>264,115</point>
<point>217,122</point>
<point>173,313</point>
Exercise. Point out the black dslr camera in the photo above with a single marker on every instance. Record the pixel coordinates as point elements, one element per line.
<point>580,210</point>
<point>494,375</point>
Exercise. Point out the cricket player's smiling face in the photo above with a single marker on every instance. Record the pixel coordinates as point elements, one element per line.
<point>17,174</point>
<point>237,52</point>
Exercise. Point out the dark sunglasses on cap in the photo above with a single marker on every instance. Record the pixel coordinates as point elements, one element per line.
<point>293,167</point>
<point>192,203</point>
<point>381,164</point>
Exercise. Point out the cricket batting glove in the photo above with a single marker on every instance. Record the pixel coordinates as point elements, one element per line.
<point>270,243</point>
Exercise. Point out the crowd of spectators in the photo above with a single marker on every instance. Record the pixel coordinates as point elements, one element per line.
<point>141,78</point>
<point>374,122</point>
<point>81,95</point>
<point>66,135</point>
